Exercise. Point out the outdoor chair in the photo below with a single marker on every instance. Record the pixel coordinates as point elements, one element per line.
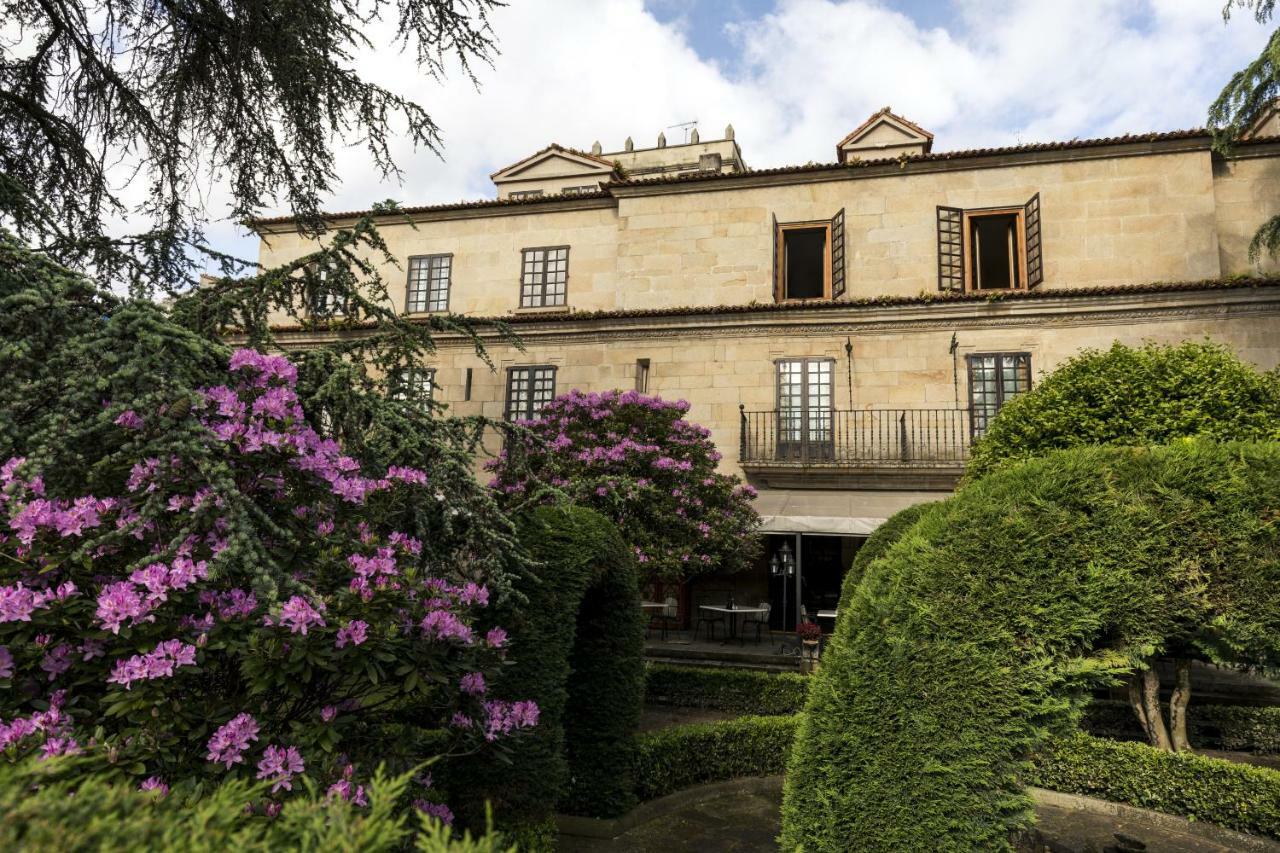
<point>710,619</point>
<point>668,616</point>
<point>761,621</point>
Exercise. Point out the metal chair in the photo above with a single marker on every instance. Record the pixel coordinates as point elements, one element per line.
<point>710,620</point>
<point>667,616</point>
<point>760,621</point>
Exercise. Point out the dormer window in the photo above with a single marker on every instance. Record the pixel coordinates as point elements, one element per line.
<point>519,194</point>
<point>808,259</point>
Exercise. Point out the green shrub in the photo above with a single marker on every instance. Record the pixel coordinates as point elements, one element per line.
<point>1237,796</point>
<point>743,690</point>
<point>56,806</point>
<point>577,642</point>
<point>1135,397</point>
<point>670,760</point>
<point>880,540</point>
<point>985,626</point>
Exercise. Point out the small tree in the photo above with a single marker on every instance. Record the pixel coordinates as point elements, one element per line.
<point>636,460</point>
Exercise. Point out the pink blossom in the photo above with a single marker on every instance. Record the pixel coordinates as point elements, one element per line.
<point>160,662</point>
<point>473,684</point>
<point>6,662</point>
<point>120,601</point>
<point>298,615</point>
<point>439,811</point>
<point>354,632</point>
<point>156,784</point>
<point>443,625</point>
<point>58,660</point>
<point>17,603</point>
<point>280,764</point>
<point>129,420</point>
<point>232,739</point>
<point>496,638</point>
<point>328,713</point>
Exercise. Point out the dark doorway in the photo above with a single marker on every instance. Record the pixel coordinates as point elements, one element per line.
<point>816,578</point>
<point>805,252</point>
<point>995,252</point>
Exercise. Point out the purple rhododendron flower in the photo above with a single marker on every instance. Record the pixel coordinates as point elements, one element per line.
<point>279,765</point>
<point>155,783</point>
<point>129,419</point>
<point>157,663</point>
<point>6,662</point>
<point>58,660</point>
<point>328,713</point>
<point>231,740</point>
<point>298,615</point>
<point>473,684</point>
<point>17,603</point>
<point>439,811</point>
<point>353,632</point>
<point>496,638</point>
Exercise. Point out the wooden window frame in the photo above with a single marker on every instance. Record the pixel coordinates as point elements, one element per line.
<point>408,377</point>
<point>524,255</point>
<point>966,237</point>
<point>1001,397</point>
<point>532,371</point>
<point>805,446</point>
<point>427,290</point>
<point>780,260</point>
<point>642,375</point>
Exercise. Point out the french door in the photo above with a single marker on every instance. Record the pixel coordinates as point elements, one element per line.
<point>805,421</point>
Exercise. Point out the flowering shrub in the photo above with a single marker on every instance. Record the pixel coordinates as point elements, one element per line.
<point>258,617</point>
<point>636,459</point>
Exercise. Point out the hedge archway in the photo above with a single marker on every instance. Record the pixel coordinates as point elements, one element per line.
<point>981,630</point>
<point>576,646</point>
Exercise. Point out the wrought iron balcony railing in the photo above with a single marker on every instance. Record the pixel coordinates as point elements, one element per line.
<point>858,437</point>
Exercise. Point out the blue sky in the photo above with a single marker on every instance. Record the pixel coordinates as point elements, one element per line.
<point>794,76</point>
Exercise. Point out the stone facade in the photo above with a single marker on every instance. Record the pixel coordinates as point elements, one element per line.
<point>681,272</point>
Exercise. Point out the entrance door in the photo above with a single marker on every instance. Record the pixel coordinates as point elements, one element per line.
<point>805,428</point>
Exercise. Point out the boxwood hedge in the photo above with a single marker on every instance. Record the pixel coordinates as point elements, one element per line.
<point>742,690</point>
<point>669,760</point>
<point>984,628</point>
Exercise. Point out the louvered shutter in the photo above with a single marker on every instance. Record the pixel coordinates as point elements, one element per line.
<point>1035,255</point>
<point>777,264</point>
<point>837,255</point>
<point>950,249</point>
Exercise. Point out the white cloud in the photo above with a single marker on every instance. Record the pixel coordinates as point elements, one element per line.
<point>573,71</point>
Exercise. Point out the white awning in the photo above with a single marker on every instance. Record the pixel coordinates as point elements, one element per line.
<point>831,512</point>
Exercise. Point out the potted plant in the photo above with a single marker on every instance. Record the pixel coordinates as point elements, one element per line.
<point>810,634</point>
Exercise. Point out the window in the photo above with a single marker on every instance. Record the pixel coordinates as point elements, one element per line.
<point>528,390</point>
<point>429,279</point>
<point>526,194</point>
<point>580,190</point>
<point>805,408</point>
<point>993,379</point>
<point>808,260</point>
<point>990,248</point>
<point>544,277</point>
<point>642,375</point>
<point>416,385</point>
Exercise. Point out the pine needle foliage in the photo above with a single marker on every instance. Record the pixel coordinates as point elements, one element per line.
<point>984,627</point>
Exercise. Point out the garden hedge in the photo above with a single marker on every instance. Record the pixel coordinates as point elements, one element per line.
<point>983,629</point>
<point>669,760</point>
<point>879,541</point>
<point>1241,728</point>
<point>1237,796</point>
<point>742,690</point>
<point>576,648</point>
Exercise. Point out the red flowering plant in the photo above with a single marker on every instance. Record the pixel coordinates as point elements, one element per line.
<point>248,609</point>
<point>636,459</point>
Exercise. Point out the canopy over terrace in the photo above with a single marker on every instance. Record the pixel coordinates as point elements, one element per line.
<point>833,513</point>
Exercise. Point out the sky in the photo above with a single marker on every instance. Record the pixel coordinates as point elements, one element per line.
<point>794,77</point>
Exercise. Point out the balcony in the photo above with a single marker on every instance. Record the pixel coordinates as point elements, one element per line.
<point>863,448</point>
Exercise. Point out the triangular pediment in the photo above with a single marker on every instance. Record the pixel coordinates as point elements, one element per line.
<point>885,130</point>
<point>555,161</point>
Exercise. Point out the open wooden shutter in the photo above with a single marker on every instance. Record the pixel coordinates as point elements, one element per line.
<point>950,249</point>
<point>777,263</point>
<point>837,255</point>
<point>1035,257</point>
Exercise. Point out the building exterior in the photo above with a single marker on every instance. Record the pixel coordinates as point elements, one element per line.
<point>845,330</point>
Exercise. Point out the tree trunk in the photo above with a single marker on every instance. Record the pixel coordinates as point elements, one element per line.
<point>1178,705</point>
<point>1144,696</point>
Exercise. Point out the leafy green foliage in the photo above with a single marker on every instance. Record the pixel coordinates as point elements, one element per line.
<point>743,690</point>
<point>1134,397</point>
<point>258,94</point>
<point>1237,796</point>
<point>636,460</point>
<point>985,625</point>
<point>58,806</point>
<point>577,640</point>
<point>683,756</point>
<point>879,541</point>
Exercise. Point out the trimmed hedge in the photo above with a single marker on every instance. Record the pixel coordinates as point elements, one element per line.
<point>669,760</point>
<point>576,646</point>
<point>742,690</point>
<point>1237,796</point>
<point>1241,728</point>
<point>878,542</point>
<point>985,626</point>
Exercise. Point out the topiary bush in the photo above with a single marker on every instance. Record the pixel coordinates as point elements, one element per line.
<point>1237,796</point>
<point>680,757</point>
<point>577,636</point>
<point>878,542</point>
<point>1135,397</point>
<point>743,690</point>
<point>983,628</point>
<point>59,805</point>
<point>637,461</point>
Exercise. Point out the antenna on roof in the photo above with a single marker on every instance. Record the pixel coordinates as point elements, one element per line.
<point>687,126</point>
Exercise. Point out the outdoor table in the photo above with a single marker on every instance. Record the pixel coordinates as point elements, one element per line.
<point>733,616</point>
<point>652,605</point>
<point>828,614</point>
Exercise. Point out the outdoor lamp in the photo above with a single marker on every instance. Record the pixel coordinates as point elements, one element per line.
<point>787,559</point>
<point>775,568</point>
